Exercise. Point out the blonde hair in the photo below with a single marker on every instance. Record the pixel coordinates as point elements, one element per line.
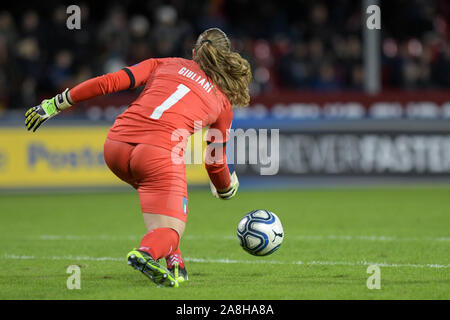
<point>228,70</point>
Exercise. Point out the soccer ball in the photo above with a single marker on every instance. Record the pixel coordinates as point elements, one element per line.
<point>260,232</point>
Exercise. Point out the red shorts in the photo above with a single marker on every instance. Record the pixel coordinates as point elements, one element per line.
<point>160,182</point>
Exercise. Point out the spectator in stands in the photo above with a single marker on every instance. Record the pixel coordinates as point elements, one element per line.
<point>299,46</point>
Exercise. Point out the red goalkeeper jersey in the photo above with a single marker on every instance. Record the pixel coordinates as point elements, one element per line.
<point>177,100</point>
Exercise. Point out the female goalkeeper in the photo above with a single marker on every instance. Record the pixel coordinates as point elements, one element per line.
<point>145,146</point>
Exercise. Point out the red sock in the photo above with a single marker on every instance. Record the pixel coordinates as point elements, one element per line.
<point>173,258</point>
<point>160,242</point>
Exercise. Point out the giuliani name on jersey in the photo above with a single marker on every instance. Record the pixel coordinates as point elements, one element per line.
<point>197,78</point>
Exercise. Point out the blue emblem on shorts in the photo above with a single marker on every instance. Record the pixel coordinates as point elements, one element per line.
<point>185,208</point>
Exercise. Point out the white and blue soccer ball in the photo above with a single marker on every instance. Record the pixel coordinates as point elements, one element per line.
<point>260,232</point>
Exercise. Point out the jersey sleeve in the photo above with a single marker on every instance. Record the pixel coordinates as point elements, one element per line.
<point>139,73</point>
<point>219,131</point>
<point>127,78</point>
<point>216,160</point>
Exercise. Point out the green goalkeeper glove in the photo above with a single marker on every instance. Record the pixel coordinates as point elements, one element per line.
<point>228,193</point>
<point>37,115</point>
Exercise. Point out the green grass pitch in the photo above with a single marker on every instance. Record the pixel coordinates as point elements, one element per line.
<point>331,237</point>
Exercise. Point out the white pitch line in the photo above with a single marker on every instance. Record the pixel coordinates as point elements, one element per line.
<point>323,263</point>
<point>369,238</point>
<point>83,237</point>
<point>7,256</point>
<point>234,238</point>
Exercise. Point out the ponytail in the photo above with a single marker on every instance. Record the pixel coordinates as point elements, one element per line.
<point>228,70</point>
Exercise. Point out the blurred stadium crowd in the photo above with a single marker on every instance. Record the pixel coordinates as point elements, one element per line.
<point>311,45</point>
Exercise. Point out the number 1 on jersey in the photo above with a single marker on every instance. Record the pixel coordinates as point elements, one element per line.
<point>181,91</point>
